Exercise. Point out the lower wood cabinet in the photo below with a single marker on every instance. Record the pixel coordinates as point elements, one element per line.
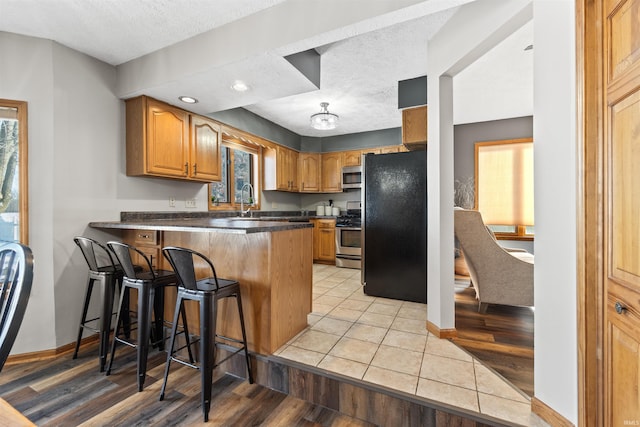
<point>148,242</point>
<point>324,241</point>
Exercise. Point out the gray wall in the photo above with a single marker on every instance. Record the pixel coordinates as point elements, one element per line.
<point>355,141</point>
<point>249,122</point>
<point>465,136</point>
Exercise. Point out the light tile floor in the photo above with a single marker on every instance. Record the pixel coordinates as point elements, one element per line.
<point>385,342</point>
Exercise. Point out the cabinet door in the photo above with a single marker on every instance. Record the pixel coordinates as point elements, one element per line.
<point>282,175</point>
<point>352,158</point>
<point>286,169</point>
<point>326,240</point>
<point>292,166</point>
<point>390,149</point>
<point>414,126</point>
<point>309,172</point>
<point>167,140</point>
<point>331,172</point>
<point>316,239</point>
<point>205,149</point>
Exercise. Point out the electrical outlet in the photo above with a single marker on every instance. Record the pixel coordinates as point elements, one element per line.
<point>274,205</point>
<point>172,202</point>
<point>190,203</point>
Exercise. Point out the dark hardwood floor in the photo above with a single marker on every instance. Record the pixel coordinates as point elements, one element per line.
<point>502,338</point>
<point>66,392</point>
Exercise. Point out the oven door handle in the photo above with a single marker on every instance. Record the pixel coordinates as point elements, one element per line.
<point>349,228</point>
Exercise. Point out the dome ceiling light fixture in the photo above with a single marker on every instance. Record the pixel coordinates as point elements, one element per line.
<point>324,120</point>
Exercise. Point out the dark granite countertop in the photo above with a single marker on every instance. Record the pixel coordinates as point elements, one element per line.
<point>228,225</point>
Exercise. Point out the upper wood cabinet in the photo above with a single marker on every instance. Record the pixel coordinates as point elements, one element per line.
<point>309,167</point>
<point>393,149</point>
<point>205,149</point>
<point>163,142</point>
<point>352,158</point>
<point>331,172</point>
<point>280,169</point>
<point>414,127</point>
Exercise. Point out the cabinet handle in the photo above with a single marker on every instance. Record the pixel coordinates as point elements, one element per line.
<point>186,168</point>
<point>143,236</point>
<point>620,308</point>
<point>195,169</point>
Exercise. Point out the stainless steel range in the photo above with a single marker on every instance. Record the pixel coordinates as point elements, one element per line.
<point>349,237</point>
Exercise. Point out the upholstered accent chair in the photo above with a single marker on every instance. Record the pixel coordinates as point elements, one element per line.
<point>499,275</point>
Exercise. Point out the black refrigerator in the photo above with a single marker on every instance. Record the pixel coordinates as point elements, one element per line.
<point>394,225</point>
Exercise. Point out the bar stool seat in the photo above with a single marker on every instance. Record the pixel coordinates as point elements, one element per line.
<point>104,271</point>
<point>150,285</point>
<point>207,292</point>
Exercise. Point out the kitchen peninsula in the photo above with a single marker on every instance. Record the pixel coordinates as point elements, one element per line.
<point>272,260</point>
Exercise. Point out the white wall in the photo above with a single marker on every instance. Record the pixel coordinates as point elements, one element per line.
<point>469,33</point>
<point>554,135</point>
<point>26,74</point>
<point>76,175</point>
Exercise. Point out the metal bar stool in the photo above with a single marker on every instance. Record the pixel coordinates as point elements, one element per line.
<point>207,292</point>
<point>150,285</point>
<point>106,272</point>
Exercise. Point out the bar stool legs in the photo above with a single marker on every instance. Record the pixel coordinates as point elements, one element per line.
<point>106,281</point>
<point>208,302</point>
<point>146,303</point>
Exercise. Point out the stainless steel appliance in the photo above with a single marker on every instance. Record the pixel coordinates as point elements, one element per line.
<point>351,177</point>
<point>349,237</point>
<point>394,224</point>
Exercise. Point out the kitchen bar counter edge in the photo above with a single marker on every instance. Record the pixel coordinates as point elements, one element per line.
<point>227,225</point>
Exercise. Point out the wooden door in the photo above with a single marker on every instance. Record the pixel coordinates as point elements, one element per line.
<point>205,149</point>
<point>327,240</point>
<point>352,158</point>
<point>331,172</point>
<point>309,171</point>
<point>621,56</point>
<point>167,140</point>
<point>283,168</point>
<point>292,165</point>
<point>414,126</point>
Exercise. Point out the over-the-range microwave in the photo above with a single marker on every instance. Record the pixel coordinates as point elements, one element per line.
<point>351,177</point>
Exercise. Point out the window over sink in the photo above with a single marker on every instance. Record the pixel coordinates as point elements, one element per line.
<point>240,163</point>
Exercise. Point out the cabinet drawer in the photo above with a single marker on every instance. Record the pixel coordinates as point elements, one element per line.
<point>326,223</point>
<point>145,237</point>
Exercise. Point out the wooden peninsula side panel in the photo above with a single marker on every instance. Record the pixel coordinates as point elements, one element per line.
<point>275,274</point>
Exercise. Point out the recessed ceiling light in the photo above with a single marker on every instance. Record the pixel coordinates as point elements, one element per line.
<point>240,86</point>
<point>530,47</point>
<point>188,99</point>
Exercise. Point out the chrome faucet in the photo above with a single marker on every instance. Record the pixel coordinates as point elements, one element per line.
<point>250,187</point>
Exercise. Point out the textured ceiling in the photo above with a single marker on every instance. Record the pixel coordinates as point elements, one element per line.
<point>361,61</point>
<point>116,31</point>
